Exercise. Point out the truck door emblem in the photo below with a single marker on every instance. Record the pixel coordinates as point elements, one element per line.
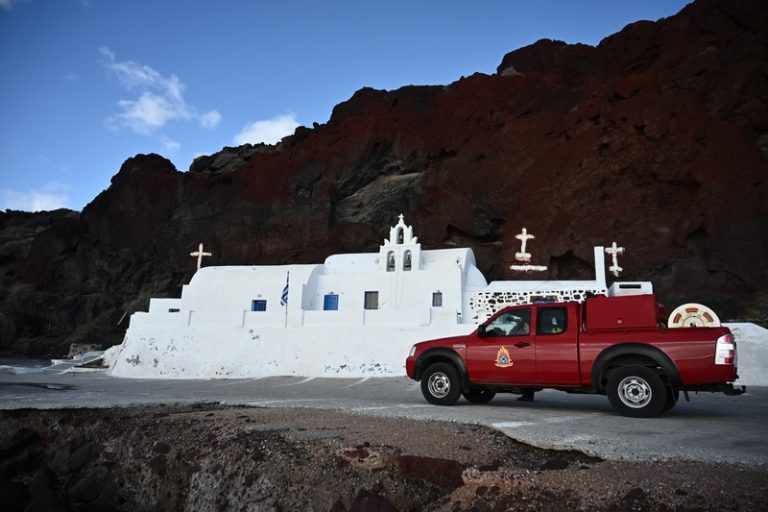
<point>502,358</point>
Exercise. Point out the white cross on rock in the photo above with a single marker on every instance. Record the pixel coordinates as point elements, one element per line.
<point>525,257</point>
<point>523,237</point>
<point>614,251</point>
<point>199,253</point>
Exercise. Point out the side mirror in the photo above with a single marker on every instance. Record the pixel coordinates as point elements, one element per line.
<point>481,331</point>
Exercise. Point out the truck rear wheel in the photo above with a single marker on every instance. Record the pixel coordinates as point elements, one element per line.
<point>479,395</point>
<point>441,384</point>
<point>636,391</point>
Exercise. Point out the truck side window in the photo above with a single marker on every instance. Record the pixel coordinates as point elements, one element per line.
<point>551,321</point>
<point>511,323</point>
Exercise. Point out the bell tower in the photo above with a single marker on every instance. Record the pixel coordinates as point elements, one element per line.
<point>402,251</point>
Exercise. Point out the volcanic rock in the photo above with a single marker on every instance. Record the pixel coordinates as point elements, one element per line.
<point>655,139</point>
<point>229,159</point>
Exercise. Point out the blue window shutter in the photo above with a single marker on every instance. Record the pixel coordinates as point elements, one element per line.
<point>331,302</point>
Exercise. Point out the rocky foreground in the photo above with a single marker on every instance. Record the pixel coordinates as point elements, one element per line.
<point>210,457</point>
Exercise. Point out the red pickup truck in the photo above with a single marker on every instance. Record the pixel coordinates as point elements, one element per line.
<point>606,345</point>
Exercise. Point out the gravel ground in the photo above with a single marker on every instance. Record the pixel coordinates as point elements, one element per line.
<point>209,457</point>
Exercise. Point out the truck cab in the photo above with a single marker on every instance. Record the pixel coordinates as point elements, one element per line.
<point>524,345</point>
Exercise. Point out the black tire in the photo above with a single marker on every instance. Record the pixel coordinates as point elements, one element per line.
<point>479,395</point>
<point>441,384</point>
<point>672,397</point>
<point>636,391</point>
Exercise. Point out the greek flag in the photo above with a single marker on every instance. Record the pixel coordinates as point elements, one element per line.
<point>284,296</point>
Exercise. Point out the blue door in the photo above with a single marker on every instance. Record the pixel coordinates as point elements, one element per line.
<point>331,302</point>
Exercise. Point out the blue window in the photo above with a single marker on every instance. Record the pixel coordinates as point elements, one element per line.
<point>331,302</point>
<point>258,305</point>
<point>173,310</point>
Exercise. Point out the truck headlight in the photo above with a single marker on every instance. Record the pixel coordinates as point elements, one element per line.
<point>412,352</point>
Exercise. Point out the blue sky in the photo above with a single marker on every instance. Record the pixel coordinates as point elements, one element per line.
<point>85,84</point>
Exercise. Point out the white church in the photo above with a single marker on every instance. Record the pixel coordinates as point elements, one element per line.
<point>355,315</point>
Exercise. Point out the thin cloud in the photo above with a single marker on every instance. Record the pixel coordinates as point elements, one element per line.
<point>51,196</point>
<point>9,4</point>
<point>160,98</point>
<point>210,119</point>
<point>169,144</point>
<point>268,131</point>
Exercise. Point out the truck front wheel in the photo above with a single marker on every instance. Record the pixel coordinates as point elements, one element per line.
<point>636,391</point>
<point>441,384</point>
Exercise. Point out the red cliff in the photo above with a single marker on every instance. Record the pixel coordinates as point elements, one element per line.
<point>657,139</point>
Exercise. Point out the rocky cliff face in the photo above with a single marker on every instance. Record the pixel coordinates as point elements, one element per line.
<point>657,138</point>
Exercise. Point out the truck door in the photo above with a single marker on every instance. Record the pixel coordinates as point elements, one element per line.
<point>556,341</point>
<point>504,353</point>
